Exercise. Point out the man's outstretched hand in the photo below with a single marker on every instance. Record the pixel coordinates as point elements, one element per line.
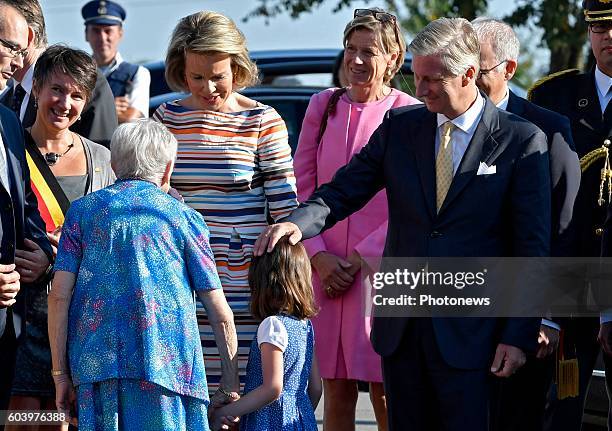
<point>269,237</point>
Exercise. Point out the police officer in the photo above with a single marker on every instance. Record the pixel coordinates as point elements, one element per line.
<point>583,98</point>
<point>129,82</point>
<point>98,120</point>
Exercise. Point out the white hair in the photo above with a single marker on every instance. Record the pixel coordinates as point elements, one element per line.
<point>142,149</point>
<point>453,39</point>
<point>500,35</point>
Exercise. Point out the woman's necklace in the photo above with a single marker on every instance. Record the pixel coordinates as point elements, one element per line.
<point>53,158</point>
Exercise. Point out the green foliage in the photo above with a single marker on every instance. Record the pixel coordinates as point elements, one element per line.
<point>421,12</point>
<point>270,8</point>
<point>564,29</point>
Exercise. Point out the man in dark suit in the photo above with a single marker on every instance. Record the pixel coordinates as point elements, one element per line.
<point>521,399</point>
<point>21,225</point>
<point>463,178</point>
<point>98,120</point>
<point>584,99</point>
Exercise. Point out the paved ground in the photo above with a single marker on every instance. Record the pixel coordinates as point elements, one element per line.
<point>366,422</point>
<point>364,414</point>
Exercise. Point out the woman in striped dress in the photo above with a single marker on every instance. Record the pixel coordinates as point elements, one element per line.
<point>234,162</point>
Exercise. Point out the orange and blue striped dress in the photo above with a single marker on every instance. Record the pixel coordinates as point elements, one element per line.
<point>235,169</point>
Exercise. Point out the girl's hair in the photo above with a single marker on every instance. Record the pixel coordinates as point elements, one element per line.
<point>280,282</point>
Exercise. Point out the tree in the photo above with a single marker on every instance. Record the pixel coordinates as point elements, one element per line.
<point>271,8</point>
<point>420,12</point>
<point>564,29</point>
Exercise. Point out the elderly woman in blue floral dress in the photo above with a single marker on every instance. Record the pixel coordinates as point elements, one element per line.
<point>122,325</point>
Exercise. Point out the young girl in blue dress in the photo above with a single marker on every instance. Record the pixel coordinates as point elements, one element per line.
<point>283,386</point>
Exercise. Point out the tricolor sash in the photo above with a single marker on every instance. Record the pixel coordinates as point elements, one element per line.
<point>52,201</point>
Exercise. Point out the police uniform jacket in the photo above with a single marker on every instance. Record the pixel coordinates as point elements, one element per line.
<point>574,95</point>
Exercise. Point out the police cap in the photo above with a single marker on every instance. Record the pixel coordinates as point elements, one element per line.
<point>597,10</point>
<point>103,12</point>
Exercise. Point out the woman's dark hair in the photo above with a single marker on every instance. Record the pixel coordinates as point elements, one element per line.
<point>280,282</point>
<point>337,69</point>
<point>74,63</point>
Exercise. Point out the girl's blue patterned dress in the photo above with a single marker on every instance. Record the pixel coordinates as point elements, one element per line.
<point>292,411</point>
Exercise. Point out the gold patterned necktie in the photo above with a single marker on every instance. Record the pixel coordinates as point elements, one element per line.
<point>444,164</point>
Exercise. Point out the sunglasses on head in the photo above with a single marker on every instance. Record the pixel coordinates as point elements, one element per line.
<point>378,15</point>
<point>381,17</point>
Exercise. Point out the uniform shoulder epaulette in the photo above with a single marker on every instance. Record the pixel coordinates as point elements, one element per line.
<point>539,82</point>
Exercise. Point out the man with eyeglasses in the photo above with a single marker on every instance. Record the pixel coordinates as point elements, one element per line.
<point>13,44</point>
<point>521,398</point>
<point>20,224</point>
<point>98,120</point>
<point>584,99</point>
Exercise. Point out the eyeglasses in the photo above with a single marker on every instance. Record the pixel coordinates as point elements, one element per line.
<point>381,17</point>
<point>14,51</point>
<point>601,27</point>
<point>489,70</point>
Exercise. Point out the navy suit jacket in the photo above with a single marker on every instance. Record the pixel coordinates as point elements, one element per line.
<point>19,208</point>
<point>505,214</point>
<point>564,169</point>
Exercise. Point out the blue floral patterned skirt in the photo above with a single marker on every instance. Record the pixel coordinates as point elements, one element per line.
<point>126,404</point>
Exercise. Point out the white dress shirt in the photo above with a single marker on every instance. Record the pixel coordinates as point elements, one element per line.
<point>465,127</point>
<point>603,83</point>
<point>26,84</point>
<point>503,104</point>
<point>138,97</point>
<point>4,177</point>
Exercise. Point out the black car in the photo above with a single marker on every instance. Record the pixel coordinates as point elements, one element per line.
<point>290,102</point>
<point>288,78</point>
<point>284,68</point>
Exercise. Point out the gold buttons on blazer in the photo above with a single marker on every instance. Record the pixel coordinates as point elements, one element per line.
<point>599,231</point>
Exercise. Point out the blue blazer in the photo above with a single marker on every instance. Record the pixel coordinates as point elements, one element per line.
<point>564,170</point>
<point>19,208</point>
<point>506,214</point>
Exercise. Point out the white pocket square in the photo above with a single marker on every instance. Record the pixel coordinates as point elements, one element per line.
<point>483,169</point>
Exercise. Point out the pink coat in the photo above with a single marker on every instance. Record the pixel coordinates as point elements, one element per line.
<point>342,330</point>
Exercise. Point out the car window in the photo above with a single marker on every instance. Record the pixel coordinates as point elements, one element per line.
<point>299,80</point>
<point>292,112</point>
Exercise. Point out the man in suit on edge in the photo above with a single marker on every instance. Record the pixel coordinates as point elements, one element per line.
<point>584,98</point>
<point>21,225</point>
<point>522,397</point>
<point>98,120</point>
<point>444,202</point>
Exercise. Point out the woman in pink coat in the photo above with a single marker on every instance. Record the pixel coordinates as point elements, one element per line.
<point>374,52</point>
